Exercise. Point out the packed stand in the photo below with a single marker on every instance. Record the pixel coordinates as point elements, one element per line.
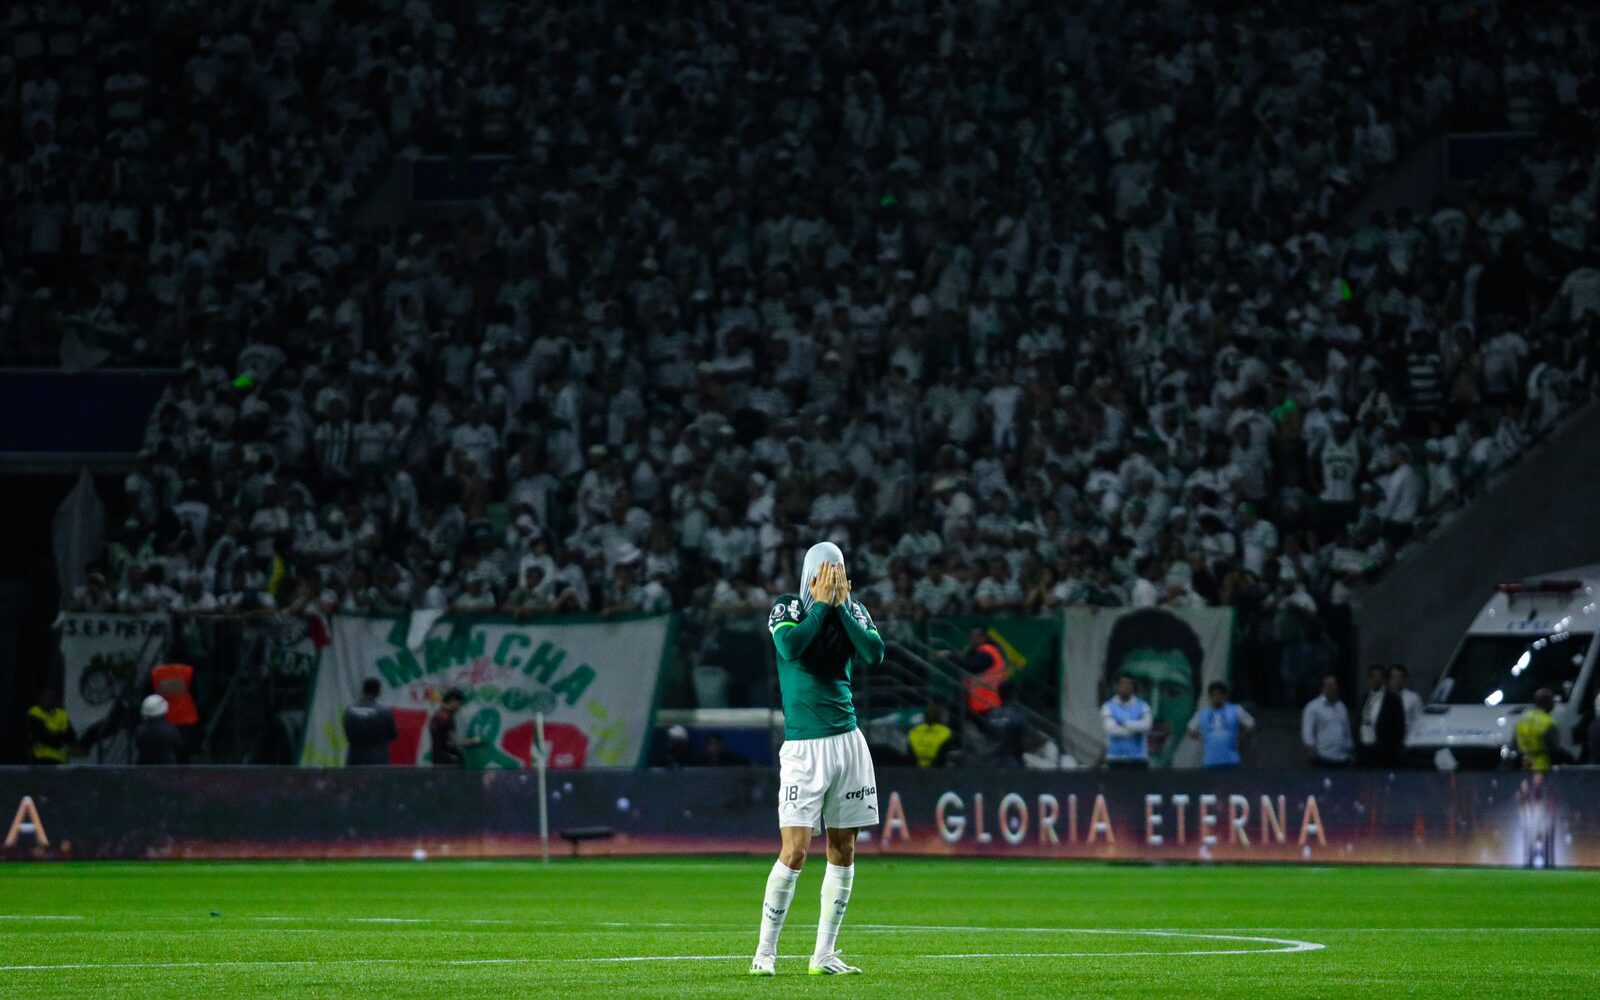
<point>1026,308</point>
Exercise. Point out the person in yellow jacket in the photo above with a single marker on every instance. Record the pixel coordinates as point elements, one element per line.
<point>1538,736</point>
<point>50,733</point>
<point>930,742</point>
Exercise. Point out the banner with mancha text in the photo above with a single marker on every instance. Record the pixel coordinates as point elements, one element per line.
<point>594,680</point>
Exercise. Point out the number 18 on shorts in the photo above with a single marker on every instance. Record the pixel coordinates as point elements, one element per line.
<point>827,780</point>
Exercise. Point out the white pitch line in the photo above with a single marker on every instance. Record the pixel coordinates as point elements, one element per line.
<point>250,963</point>
<point>1124,954</point>
<point>41,916</point>
<point>1286,946</point>
<point>665,958</point>
<point>1427,930</point>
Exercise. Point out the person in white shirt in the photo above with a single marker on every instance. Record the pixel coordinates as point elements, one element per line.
<point>1146,593</point>
<point>1002,401</point>
<point>1317,427</point>
<point>1325,727</point>
<point>728,544</point>
<point>920,543</point>
<point>1503,355</point>
<point>1293,593</point>
<point>1338,466</point>
<point>1403,494</point>
<point>834,511</point>
<point>478,441</point>
<point>427,594</point>
<point>194,598</point>
<point>1258,537</point>
<point>477,598</point>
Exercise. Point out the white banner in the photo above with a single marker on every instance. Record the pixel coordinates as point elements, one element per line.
<point>594,681</point>
<point>105,657</point>
<point>1171,655</point>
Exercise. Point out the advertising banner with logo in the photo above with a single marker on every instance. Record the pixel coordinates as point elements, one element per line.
<point>594,681</point>
<point>1170,654</point>
<point>1502,819</point>
<point>105,659</point>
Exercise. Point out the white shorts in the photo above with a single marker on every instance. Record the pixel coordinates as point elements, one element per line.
<point>827,780</point>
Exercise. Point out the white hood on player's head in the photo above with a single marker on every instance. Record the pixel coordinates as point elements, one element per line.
<point>816,556</point>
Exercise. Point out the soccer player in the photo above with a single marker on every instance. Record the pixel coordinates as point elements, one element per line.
<point>825,773</point>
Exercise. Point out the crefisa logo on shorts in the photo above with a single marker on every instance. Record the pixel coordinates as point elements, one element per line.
<point>862,792</point>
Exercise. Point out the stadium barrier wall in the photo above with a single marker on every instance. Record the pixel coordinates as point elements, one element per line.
<point>1433,818</point>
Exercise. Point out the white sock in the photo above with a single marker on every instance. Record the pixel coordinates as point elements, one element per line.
<point>780,890</point>
<point>835,897</point>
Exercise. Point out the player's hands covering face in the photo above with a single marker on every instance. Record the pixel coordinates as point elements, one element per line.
<point>830,586</point>
<point>822,584</point>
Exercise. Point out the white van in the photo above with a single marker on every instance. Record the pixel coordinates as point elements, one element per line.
<point>1537,633</point>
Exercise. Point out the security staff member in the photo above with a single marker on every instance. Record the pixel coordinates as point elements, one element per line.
<point>987,666</point>
<point>369,727</point>
<point>930,742</point>
<point>175,683</point>
<point>50,732</point>
<point>1538,736</point>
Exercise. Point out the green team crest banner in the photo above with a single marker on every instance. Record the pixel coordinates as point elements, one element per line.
<point>594,681</point>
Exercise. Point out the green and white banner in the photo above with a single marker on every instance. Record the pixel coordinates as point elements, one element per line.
<point>1170,654</point>
<point>594,681</point>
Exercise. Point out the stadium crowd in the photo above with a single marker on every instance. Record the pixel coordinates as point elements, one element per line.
<point>1025,306</point>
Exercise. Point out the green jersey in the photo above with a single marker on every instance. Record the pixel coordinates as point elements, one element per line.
<point>816,649</point>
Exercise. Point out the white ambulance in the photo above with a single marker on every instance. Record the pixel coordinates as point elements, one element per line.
<point>1536,633</point>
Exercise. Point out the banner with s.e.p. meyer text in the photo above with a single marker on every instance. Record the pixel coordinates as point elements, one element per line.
<point>594,681</point>
<point>1171,655</point>
<point>105,659</point>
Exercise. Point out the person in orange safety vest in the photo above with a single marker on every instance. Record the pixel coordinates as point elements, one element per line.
<point>986,667</point>
<point>175,682</point>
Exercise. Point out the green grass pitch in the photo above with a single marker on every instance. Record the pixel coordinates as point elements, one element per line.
<point>918,928</point>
